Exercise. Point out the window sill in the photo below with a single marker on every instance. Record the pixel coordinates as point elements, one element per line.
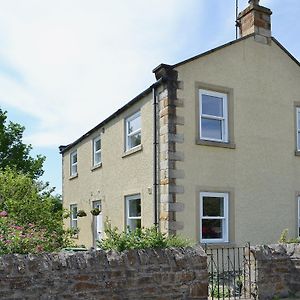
<point>297,153</point>
<point>73,176</point>
<point>218,245</point>
<point>216,144</point>
<point>93,168</point>
<point>133,150</point>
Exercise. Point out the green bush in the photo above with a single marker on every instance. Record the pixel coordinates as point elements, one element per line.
<point>25,201</point>
<point>138,239</point>
<point>25,239</point>
<point>285,240</point>
<point>219,292</point>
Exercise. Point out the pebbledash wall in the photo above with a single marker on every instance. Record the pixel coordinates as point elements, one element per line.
<point>277,270</point>
<point>135,274</point>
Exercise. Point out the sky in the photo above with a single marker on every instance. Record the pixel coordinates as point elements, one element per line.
<point>66,65</point>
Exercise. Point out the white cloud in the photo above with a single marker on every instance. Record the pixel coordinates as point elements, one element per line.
<point>76,61</point>
<point>71,63</point>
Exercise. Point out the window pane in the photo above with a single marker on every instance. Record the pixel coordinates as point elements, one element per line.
<point>74,158</point>
<point>74,169</point>
<point>212,105</point>
<point>134,124</point>
<point>97,145</point>
<point>97,158</point>
<point>134,224</point>
<point>298,140</point>
<point>211,128</point>
<point>74,212</point>
<point>74,223</point>
<point>135,208</point>
<point>213,207</point>
<point>212,229</point>
<point>135,140</point>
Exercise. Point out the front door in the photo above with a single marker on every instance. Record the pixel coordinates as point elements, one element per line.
<point>97,224</point>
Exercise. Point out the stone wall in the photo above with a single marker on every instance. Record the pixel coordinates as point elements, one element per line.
<point>135,274</point>
<point>277,270</point>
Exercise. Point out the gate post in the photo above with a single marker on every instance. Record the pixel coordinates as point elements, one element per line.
<point>251,272</point>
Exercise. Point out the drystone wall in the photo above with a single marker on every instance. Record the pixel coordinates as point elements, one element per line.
<point>135,274</point>
<point>277,270</point>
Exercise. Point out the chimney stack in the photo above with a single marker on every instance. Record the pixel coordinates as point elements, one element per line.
<point>255,19</point>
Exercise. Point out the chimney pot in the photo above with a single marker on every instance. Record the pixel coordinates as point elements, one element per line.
<point>254,2</point>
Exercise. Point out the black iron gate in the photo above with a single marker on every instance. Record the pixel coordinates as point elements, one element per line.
<point>232,273</point>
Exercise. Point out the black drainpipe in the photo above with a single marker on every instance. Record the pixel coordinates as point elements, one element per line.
<point>155,158</point>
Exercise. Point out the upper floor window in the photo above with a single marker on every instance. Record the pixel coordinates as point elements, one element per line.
<point>96,151</point>
<point>213,116</point>
<point>73,219</point>
<point>133,131</point>
<point>213,217</point>
<point>133,212</point>
<point>298,127</point>
<point>73,163</point>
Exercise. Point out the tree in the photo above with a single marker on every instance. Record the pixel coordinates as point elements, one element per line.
<point>27,207</point>
<point>14,153</point>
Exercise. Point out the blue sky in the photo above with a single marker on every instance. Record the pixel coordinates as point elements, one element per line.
<point>65,65</point>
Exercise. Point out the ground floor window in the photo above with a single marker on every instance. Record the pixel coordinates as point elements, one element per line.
<point>213,217</point>
<point>73,219</point>
<point>133,212</point>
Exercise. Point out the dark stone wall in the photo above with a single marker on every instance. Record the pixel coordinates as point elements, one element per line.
<point>277,270</point>
<point>135,274</point>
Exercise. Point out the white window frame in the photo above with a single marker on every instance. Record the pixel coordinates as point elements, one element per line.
<point>225,227</point>
<point>96,152</point>
<point>224,119</point>
<point>298,202</point>
<point>298,129</point>
<point>128,135</point>
<point>73,165</point>
<point>127,200</point>
<point>73,220</point>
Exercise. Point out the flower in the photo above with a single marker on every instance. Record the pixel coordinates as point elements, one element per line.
<point>39,248</point>
<point>3,214</point>
<point>17,227</point>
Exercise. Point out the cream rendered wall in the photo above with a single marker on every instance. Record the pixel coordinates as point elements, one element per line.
<point>262,172</point>
<point>119,176</point>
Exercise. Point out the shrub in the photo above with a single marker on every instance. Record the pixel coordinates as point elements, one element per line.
<point>219,291</point>
<point>25,201</point>
<point>24,239</point>
<point>138,239</point>
<point>283,239</point>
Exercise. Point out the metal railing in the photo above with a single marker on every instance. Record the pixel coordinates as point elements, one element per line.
<point>232,272</point>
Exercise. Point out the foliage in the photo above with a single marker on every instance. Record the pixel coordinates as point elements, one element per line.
<point>219,292</point>
<point>81,213</point>
<point>285,240</point>
<point>25,239</point>
<point>138,239</point>
<point>95,211</point>
<point>14,153</point>
<point>26,201</point>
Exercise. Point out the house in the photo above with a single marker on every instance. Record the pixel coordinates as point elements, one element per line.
<point>210,151</point>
